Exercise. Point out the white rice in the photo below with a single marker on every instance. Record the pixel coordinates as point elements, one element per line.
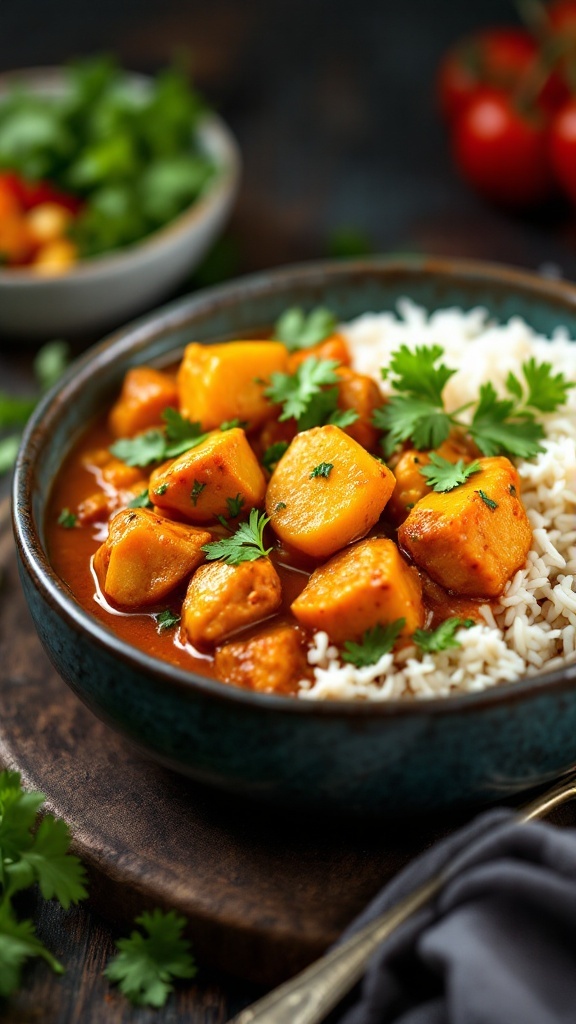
<point>532,627</point>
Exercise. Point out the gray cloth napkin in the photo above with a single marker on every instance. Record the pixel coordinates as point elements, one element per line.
<point>496,946</point>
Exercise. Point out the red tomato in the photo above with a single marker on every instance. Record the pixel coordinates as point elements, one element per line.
<point>503,153</point>
<point>563,148</point>
<point>497,57</point>
<point>36,192</point>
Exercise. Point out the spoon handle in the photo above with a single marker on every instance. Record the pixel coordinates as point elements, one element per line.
<point>309,997</point>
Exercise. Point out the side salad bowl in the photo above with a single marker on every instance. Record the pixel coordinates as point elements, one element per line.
<point>395,757</point>
<point>99,292</point>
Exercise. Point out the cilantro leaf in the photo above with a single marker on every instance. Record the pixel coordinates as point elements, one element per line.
<point>414,372</point>
<point>232,424</point>
<point>50,363</point>
<point>181,434</point>
<point>295,391</point>
<point>273,454</point>
<point>375,642</point>
<point>9,447</point>
<point>299,330</point>
<point>414,418</point>
<point>546,391</point>
<point>14,412</point>
<point>492,505</point>
<point>166,620</point>
<point>149,961</point>
<point>141,450</point>
<point>67,519</point>
<point>246,545</point>
<point>343,417</point>
<point>443,475</point>
<point>324,469</point>
<point>197,488</point>
<point>444,637</point>
<point>141,500</point>
<point>235,505</point>
<point>59,874</point>
<point>18,943</point>
<point>496,430</point>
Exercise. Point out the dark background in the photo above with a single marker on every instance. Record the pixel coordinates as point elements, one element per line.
<point>333,105</point>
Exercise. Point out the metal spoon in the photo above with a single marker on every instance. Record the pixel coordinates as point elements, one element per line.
<point>309,997</point>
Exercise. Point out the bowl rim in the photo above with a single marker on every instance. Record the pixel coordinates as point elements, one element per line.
<point>177,315</point>
<point>221,146</point>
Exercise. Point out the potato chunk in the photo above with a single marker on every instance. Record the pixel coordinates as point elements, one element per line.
<point>224,382</point>
<point>223,598</point>
<point>198,484</point>
<point>318,514</point>
<point>145,556</point>
<point>361,394</point>
<point>367,585</point>
<point>274,661</point>
<point>145,394</point>
<point>473,539</point>
<point>411,484</point>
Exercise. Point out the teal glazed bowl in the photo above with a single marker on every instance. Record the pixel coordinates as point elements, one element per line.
<point>393,758</point>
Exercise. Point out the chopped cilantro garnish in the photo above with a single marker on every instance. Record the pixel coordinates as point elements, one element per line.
<point>196,491</point>
<point>273,454</point>
<point>141,501</point>
<point>324,469</point>
<point>305,397</point>
<point>232,424</point>
<point>235,505</point>
<point>161,489</point>
<point>443,475</point>
<point>246,545</point>
<point>67,519</point>
<point>166,620</point>
<point>375,642</point>
<point>280,506</point>
<point>444,637</point>
<point>300,330</point>
<point>488,501</point>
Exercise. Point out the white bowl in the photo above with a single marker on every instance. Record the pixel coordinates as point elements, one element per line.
<point>104,291</point>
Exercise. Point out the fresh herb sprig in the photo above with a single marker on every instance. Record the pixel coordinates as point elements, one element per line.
<point>245,545</point>
<point>305,397</point>
<point>432,641</point>
<point>49,365</point>
<point>374,644</point>
<point>497,426</point>
<point>299,330</point>
<point>149,960</point>
<point>442,475</point>
<point>32,850</point>
<point>178,436</point>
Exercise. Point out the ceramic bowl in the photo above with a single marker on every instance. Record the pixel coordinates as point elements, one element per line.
<point>392,758</point>
<point>101,292</point>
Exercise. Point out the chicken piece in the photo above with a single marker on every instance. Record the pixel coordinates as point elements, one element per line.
<point>145,394</point>
<point>411,484</point>
<point>96,508</point>
<point>361,394</point>
<point>145,557</point>
<point>121,476</point>
<point>326,491</point>
<point>274,661</point>
<point>223,598</point>
<point>219,383</point>
<point>472,539</point>
<point>366,585</point>
<point>333,347</point>
<point>199,484</point>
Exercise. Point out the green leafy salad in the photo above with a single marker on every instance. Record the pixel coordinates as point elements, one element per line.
<point>128,149</point>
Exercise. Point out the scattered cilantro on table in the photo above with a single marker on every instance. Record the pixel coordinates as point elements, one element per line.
<point>443,475</point>
<point>298,330</point>
<point>375,642</point>
<point>245,545</point>
<point>49,365</point>
<point>151,959</point>
<point>32,850</point>
<point>431,641</point>
<point>499,426</point>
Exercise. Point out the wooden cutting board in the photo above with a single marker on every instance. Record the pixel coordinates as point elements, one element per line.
<point>264,891</point>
